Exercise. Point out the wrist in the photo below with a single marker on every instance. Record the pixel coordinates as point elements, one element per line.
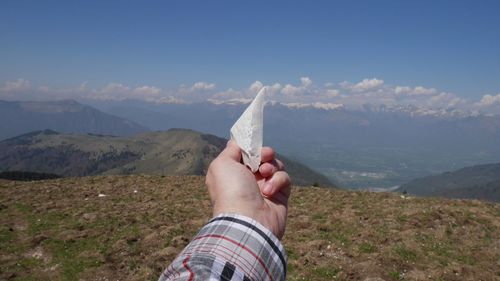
<point>252,222</point>
<point>262,217</point>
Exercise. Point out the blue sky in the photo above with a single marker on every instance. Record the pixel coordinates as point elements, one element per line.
<point>452,46</point>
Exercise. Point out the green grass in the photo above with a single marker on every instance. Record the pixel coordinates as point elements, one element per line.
<point>46,222</point>
<point>27,263</point>
<point>325,272</point>
<point>343,238</point>
<point>292,255</point>
<point>401,218</point>
<point>23,208</point>
<point>7,238</point>
<point>443,251</point>
<point>32,277</point>
<point>404,253</point>
<point>367,247</point>
<point>395,275</point>
<point>173,232</point>
<point>466,259</point>
<point>68,255</point>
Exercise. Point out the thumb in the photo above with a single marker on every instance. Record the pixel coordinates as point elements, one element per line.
<point>232,151</point>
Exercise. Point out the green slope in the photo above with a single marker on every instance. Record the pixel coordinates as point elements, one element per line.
<point>480,182</point>
<point>173,152</point>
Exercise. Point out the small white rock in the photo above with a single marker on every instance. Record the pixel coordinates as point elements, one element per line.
<point>101,195</point>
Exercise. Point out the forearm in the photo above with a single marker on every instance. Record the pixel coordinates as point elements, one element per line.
<point>230,247</point>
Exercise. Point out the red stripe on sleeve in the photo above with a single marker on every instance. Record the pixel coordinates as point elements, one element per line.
<point>191,273</point>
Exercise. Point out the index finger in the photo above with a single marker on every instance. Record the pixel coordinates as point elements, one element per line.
<point>232,151</point>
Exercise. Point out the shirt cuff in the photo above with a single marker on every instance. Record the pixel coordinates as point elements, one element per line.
<point>251,250</point>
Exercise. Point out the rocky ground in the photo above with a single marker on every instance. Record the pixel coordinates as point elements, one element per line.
<point>131,227</point>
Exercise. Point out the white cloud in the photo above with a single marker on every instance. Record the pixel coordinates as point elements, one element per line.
<point>291,90</point>
<point>305,81</point>
<point>83,87</point>
<point>489,100</point>
<point>275,89</point>
<point>171,99</point>
<point>423,91</point>
<point>371,91</point>
<point>114,88</point>
<point>147,91</point>
<point>402,90</point>
<point>246,94</point>
<point>236,101</point>
<point>331,93</point>
<point>318,105</point>
<point>364,85</point>
<point>256,86</point>
<point>18,85</point>
<point>375,92</point>
<point>305,88</point>
<point>445,100</point>
<point>119,91</point>
<point>350,95</point>
<point>202,86</point>
<point>417,91</point>
<point>228,94</point>
<point>199,91</point>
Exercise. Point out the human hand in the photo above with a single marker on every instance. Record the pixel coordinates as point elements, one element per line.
<point>262,196</point>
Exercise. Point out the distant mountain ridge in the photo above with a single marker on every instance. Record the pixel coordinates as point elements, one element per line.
<point>66,116</point>
<point>174,152</point>
<point>371,147</point>
<point>479,182</point>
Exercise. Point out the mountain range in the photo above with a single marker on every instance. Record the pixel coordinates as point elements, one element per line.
<point>173,152</point>
<point>66,116</point>
<point>480,182</point>
<point>364,148</point>
<point>374,147</point>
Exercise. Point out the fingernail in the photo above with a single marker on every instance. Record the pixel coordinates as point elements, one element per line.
<point>268,187</point>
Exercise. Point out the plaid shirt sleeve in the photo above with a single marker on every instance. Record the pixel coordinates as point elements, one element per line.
<point>230,247</point>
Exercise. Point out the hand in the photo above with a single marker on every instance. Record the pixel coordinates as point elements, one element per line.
<point>262,196</point>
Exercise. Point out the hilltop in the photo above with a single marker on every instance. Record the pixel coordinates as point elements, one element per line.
<point>172,152</point>
<point>478,182</point>
<point>64,230</point>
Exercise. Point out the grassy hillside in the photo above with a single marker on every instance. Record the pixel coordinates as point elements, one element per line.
<point>172,152</point>
<point>63,230</point>
<point>479,182</point>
